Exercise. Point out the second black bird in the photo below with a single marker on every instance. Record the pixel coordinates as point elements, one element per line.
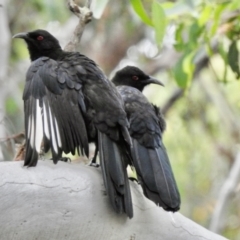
<point>149,155</point>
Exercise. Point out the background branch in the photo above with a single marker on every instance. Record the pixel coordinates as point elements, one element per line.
<point>226,193</point>
<point>85,16</point>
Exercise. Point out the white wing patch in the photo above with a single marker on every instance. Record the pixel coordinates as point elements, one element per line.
<point>58,135</point>
<point>38,127</point>
<point>53,134</point>
<point>35,127</point>
<point>43,123</point>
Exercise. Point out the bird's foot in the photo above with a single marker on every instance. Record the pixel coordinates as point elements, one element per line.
<point>65,159</point>
<point>94,164</point>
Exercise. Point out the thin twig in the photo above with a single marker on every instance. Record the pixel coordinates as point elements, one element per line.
<point>85,16</point>
<point>227,191</point>
<point>17,138</point>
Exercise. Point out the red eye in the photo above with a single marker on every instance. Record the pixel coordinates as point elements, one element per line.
<point>135,78</point>
<point>40,38</point>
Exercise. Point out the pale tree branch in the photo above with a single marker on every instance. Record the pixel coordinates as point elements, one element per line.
<point>68,201</point>
<point>219,215</point>
<point>85,16</point>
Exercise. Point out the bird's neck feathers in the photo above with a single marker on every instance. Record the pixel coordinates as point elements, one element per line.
<point>55,53</point>
<point>122,82</point>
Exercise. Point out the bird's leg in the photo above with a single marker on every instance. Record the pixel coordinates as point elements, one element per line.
<point>94,159</point>
<point>65,159</point>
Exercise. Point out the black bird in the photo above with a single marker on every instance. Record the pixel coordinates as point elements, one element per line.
<point>147,124</point>
<point>68,98</point>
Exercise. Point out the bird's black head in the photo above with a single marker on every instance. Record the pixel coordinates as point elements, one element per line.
<point>40,43</point>
<point>134,77</point>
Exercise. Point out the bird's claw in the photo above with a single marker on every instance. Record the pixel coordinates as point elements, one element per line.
<point>65,159</point>
<point>93,164</point>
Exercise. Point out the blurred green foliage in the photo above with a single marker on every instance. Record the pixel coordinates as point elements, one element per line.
<point>197,23</point>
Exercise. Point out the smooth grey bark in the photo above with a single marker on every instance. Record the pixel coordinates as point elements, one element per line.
<point>68,201</point>
<point>226,193</point>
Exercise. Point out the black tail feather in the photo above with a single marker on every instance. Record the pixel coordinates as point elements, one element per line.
<point>115,175</point>
<point>155,175</point>
<point>31,156</point>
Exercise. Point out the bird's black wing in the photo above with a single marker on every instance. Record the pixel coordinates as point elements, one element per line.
<point>53,108</point>
<point>149,154</point>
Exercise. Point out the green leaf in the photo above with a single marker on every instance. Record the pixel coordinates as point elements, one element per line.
<point>216,18</point>
<point>233,58</point>
<point>183,70</point>
<point>205,15</point>
<point>139,9</point>
<point>180,44</point>
<point>159,21</point>
<point>194,34</point>
<point>179,75</point>
<point>224,56</point>
<point>234,5</point>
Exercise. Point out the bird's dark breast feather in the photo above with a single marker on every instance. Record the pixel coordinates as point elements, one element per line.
<point>142,117</point>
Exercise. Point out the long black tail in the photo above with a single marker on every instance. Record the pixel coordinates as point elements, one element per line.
<point>155,175</point>
<point>115,175</point>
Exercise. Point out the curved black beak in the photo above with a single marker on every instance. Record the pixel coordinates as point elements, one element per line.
<point>153,80</point>
<point>23,35</point>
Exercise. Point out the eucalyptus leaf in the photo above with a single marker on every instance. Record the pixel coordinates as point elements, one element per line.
<point>233,58</point>
<point>139,9</point>
<point>180,44</point>
<point>216,18</point>
<point>159,21</point>
<point>224,56</point>
<point>184,69</point>
<point>205,15</point>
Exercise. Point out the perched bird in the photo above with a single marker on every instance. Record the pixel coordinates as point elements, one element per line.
<point>149,155</point>
<point>68,101</point>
